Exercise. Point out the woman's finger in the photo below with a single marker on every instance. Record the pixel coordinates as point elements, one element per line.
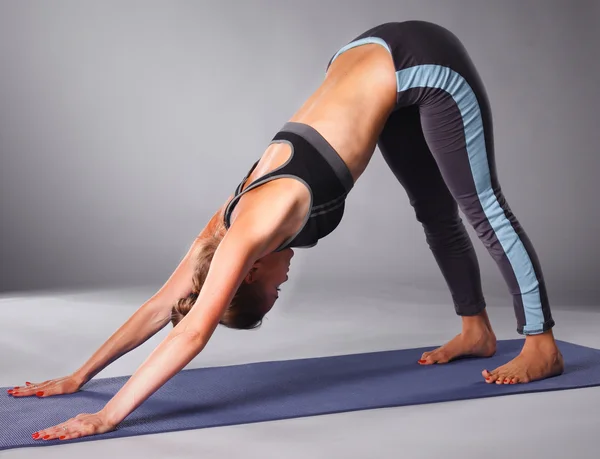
<point>29,386</point>
<point>56,432</point>
<point>40,435</point>
<point>28,391</point>
<point>52,433</point>
<point>41,389</point>
<point>22,392</point>
<point>82,430</point>
<point>19,388</point>
<point>70,435</point>
<point>82,425</point>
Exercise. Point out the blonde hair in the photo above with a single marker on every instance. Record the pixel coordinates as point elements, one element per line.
<point>247,306</point>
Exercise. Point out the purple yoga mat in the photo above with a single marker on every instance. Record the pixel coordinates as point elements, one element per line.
<point>255,392</point>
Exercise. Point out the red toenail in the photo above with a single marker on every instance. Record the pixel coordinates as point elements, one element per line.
<point>422,361</point>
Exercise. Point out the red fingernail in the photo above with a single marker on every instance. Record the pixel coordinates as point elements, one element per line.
<point>422,361</point>
<point>62,438</point>
<point>10,391</point>
<point>35,435</point>
<point>512,382</point>
<point>39,394</point>
<point>16,387</point>
<point>45,437</point>
<point>28,383</point>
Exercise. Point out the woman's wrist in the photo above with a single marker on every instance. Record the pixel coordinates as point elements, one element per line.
<point>80,378</point>
<point>108,418</point>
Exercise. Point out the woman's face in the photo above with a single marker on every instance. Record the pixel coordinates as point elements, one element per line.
<point>270,272</point>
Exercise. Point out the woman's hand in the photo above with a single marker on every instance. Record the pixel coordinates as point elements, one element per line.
<point>82,425</point>
<point>64,385</point>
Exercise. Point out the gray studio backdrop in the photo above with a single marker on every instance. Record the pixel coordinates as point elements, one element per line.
<point>125,124</point>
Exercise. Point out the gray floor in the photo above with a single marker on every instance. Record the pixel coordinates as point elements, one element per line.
<point>49,335</point>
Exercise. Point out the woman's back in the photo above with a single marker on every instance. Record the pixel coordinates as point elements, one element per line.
<point>348,110</point>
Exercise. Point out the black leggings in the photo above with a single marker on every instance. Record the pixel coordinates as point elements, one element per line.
<point>439,144</point>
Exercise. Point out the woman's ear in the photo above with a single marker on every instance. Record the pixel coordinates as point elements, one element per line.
<point>251,276</point>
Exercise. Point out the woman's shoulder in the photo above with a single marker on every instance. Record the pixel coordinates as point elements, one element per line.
<point>216,225</point>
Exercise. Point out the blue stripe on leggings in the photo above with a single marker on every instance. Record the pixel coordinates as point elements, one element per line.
<point>362,41</point>
<point>435,76</point>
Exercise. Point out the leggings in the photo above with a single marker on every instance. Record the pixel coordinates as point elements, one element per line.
<point>439,144</point>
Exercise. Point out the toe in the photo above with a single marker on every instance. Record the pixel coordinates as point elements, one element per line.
<point>502,379</point>
<point>429,358</point>
<point>426,358</point>
<point>490,376</point>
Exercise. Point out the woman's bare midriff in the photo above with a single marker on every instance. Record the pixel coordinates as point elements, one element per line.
<point>349,109</point>
<point>352,104</point>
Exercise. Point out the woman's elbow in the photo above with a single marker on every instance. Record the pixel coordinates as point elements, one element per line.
<point>198,336</point>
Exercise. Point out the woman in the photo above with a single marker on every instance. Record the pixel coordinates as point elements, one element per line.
<point>410,88</point>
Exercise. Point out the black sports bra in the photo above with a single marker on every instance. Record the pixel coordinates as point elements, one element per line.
<point>314,162</point>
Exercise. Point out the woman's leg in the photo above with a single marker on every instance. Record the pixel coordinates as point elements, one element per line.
<point>456,135</point>
<point>434,72</point>
<point>405,150</point>
<point>457,126</point>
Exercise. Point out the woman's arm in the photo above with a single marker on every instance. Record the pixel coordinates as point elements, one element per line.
<point>143,324</point>
<point>234,257</point>
<point>232,260</point>
<point>154,314</point>
<point>259,230</point>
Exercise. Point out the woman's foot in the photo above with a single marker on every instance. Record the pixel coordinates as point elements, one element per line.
<point>540,358</point>
<point>477,339</point>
